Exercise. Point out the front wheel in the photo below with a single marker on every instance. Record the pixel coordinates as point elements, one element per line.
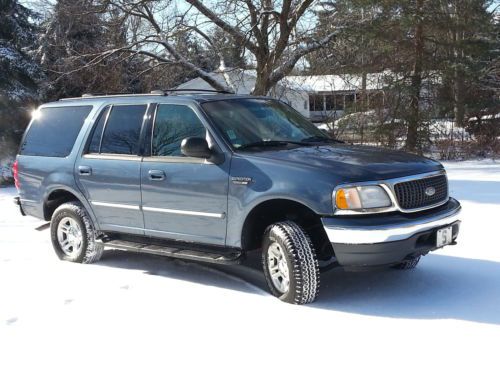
<point>290,265</point>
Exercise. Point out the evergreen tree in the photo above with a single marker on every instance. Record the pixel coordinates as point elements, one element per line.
<point>438,54</point>
<point>19,74</point>
<point>69,45</point>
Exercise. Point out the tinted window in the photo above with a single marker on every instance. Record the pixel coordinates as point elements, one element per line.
<point>121,134</point>
<point>53,131</point>
<point>97,133</point>
<point>173,123</point>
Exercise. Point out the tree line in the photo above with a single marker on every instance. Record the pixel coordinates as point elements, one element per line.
<point>50,50</point>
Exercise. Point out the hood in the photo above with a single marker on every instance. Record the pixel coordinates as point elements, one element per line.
<point>355,163</point>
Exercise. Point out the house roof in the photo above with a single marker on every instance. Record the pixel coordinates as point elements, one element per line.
<point>241,81</point>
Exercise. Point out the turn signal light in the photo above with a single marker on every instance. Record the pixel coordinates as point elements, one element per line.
<point>340,200</point>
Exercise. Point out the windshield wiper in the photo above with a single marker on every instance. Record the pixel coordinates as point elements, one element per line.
<point>271,143</point>
<point>318,138</point>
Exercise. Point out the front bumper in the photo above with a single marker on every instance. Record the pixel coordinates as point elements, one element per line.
<point>376,240</point>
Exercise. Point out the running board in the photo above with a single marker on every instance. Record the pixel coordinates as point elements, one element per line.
<point>181,253</point>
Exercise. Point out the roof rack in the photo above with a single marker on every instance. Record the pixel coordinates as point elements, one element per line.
<point>154,92</point>
<point>103,95</point>
<point>165,92</point>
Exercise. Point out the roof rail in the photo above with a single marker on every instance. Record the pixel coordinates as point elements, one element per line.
<point>165,92</point>
<point>154,92</point>
<point>93,94</point>
<point>101,95</point>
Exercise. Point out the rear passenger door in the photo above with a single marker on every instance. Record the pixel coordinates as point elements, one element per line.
<point>183,198</point>
<point>109,171</point>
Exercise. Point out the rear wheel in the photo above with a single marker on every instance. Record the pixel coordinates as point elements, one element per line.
<point>290,264</point>
<point>408,264</point>
<point>73,235</point>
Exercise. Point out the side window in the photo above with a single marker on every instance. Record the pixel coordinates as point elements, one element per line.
<point>95,142</point>
<point>53,131</point>
<point>122,130</point>
<point>172,124</point>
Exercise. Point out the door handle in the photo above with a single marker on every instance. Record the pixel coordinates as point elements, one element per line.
<point>84,170</point>
<point>156,175</point>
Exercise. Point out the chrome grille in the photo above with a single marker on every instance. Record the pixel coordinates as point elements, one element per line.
<point>412,194</point>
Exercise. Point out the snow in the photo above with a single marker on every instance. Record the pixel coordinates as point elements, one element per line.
<point>143,314</point>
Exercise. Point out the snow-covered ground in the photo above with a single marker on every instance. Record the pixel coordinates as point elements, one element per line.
<point>143,314</point>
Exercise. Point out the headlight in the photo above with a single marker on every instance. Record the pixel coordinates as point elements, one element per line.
<point>360,198</point>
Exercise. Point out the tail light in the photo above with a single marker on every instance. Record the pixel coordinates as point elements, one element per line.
<point>15,173</point>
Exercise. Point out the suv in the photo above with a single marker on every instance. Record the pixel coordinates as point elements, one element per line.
<point>212,177</point>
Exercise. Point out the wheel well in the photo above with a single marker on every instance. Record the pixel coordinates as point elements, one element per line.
<point>54,200</point>
<point>275,210</point>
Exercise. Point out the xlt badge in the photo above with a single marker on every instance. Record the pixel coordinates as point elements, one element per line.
<point>241,180</point>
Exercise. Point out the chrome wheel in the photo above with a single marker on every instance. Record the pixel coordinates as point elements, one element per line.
<point>278,267</point>
<point>69,236</point>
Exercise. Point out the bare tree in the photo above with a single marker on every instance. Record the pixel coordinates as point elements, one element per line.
<point>274,35</point>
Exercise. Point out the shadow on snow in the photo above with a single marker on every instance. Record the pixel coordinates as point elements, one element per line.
<point>442,287</point>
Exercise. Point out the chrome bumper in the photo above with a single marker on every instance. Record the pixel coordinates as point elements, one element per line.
<point>380,233</point>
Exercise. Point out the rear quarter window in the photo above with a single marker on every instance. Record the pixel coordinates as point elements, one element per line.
<point>53,131</point>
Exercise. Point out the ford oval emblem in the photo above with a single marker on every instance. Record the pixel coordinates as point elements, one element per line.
<point>430,191</point>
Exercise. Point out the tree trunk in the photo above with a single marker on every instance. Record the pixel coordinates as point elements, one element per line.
<point>261,85</point>
<point>459,84</point>
<point>416,82</point>
<point>262,81</point>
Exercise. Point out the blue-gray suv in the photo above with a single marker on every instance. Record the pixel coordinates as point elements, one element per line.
<point>212,177</point>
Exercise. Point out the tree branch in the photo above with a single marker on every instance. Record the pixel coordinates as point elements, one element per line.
<point>237,34</point>
<point>300,52</point>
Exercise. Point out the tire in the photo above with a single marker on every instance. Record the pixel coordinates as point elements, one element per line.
<point>71,224</point>
<point>407,264</point>
<point>298,258</point>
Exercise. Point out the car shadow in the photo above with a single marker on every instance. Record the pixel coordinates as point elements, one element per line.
<point>238,278</point>
<point>442,287</point>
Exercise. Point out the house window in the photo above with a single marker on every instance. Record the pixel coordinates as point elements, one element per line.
<point>316,103</point>
<point>329,102</point>
<point>349,100</point>
<point>339,102</point>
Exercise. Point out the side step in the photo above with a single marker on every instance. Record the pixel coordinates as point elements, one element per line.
<point>181,253</point>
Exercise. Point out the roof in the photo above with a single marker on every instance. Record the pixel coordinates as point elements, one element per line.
<point>239,80</point>
<point>340,82</point>
<point>145,98</point>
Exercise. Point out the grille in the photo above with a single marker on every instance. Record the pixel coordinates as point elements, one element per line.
<point>411,194</point>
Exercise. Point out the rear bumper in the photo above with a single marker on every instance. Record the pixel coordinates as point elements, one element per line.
<point>377,240</point>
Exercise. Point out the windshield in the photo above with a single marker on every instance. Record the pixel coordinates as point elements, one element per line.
<point>260,122</point>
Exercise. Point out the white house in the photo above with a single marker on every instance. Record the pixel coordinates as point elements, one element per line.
<point>243,82</point>
<point>317,97</point>
<point>330,95</point>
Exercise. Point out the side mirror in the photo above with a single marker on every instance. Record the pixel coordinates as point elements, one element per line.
<point>196,147</point>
